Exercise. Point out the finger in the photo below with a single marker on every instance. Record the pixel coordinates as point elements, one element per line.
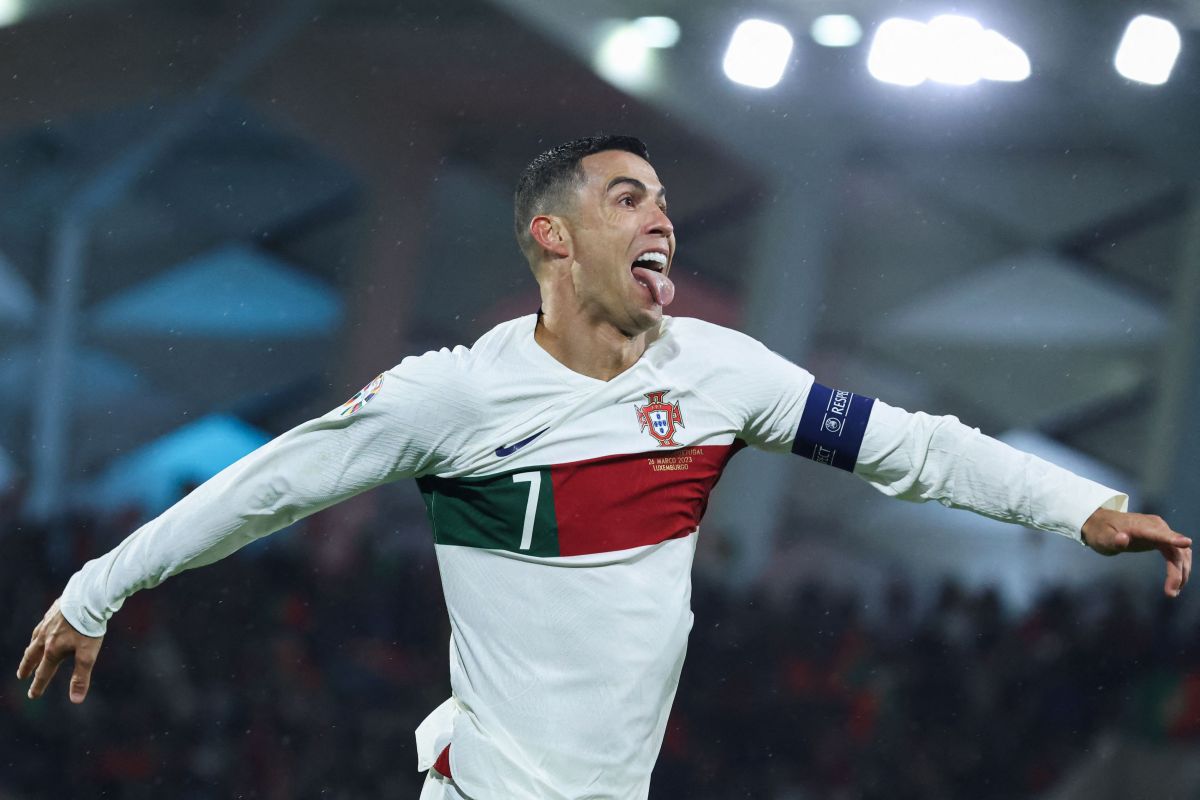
<point>1142,540</point>
<point>1150,528</point>
<point>33,654</point>
<point>1187,564</point>
<point>45,671</point>
<point>81,677</point>
<point>1174,581</point>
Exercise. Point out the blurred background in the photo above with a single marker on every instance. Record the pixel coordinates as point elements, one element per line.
<point>218,219</point>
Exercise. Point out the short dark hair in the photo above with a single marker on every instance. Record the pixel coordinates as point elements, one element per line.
<point>546,184</point>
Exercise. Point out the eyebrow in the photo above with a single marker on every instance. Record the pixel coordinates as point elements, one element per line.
<point>662,192</point>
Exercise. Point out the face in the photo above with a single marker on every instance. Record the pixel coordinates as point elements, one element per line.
<point>620,218</point>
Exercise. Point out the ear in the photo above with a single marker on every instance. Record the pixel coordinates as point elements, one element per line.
<point>550,233</point>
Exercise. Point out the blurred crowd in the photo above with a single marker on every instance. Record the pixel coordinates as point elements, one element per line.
<point>281,674</point>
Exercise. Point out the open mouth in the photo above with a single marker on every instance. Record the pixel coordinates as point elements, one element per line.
<point>648,269</point>
<point>653,261</point>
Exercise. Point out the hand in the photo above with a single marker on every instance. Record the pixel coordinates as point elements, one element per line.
<point>1111,532</point>
<point>53,640</point>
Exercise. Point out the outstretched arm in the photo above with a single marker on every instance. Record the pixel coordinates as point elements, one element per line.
<point>388,435</point>
<point>922,457</point>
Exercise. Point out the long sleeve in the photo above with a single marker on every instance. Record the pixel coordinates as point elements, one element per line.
<point>913,456</point>
<point>919,457</point>
<point>389,431</point>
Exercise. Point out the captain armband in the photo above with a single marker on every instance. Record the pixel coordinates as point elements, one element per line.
<point>832,426</point>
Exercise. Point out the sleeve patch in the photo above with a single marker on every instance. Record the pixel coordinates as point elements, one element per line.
<point>832,426</point>
<point>364,396</point>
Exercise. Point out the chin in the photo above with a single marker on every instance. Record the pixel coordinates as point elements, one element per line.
<point>643,319</point>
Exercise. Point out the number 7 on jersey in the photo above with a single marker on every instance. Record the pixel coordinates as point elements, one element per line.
<point>534,479</point>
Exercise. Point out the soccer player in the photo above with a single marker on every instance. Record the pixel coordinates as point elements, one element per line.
<point>565,460</point>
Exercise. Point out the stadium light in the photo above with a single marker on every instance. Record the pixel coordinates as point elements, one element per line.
<point>836,30</point>
<point>657,32</point>
<point>624,58</point>
<point>899,52</point>
<point>758,53</point>
<point>949,49</point>
<point>1001,59</point>
<point>1148,50</point>
<point>954,42</point>
<point>11,11</point>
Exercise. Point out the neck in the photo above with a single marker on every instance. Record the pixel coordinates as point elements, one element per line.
<point>596,349</point>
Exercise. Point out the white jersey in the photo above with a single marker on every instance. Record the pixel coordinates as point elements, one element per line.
<point>565,511</point>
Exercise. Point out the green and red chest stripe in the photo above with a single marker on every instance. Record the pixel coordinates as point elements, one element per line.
<point>597,505</point>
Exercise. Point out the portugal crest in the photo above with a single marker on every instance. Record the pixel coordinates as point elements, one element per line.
<point>660,417</point>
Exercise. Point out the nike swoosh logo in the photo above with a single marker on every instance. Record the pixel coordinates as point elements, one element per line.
<point>509,449</point>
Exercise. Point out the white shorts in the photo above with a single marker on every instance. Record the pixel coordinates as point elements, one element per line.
<point>438,788</point>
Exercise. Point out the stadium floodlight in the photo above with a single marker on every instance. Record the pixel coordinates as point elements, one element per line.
<point>624,58</point>
<point>1148,50</point>
<point>899,52</point>
<point>950,49</point>
<point>836,30</point>
<point>1001,59</point>
<point>657,32</point>
<point>758,53</point>
<point>954,43</point>
<point>11,11</point>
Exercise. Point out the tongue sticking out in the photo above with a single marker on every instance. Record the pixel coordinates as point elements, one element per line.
<point>660,286</point>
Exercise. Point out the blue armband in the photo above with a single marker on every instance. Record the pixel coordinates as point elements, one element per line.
<point>832,426</point>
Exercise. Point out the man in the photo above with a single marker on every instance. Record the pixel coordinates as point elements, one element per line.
<point>566,460</point>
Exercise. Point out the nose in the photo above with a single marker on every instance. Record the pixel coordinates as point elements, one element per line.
<point>660,223</point>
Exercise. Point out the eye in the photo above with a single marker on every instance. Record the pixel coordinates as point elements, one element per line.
<point>627,201</point>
